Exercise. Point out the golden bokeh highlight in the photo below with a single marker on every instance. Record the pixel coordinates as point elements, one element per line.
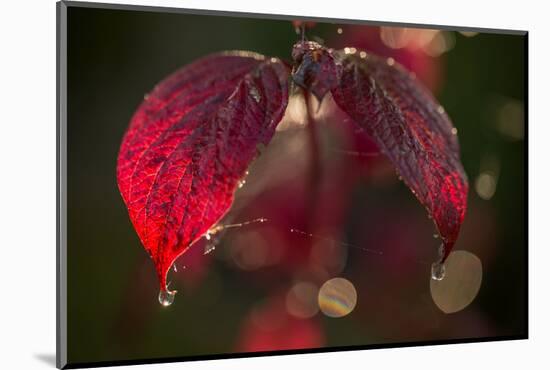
<point>337,297</point>
<point>510,120</point>
<point>486,185</point>
<point>301,300</point>
<point>431,42</point>
<point>469,33</point>
<point>250,251</point>
<point>463,276</point>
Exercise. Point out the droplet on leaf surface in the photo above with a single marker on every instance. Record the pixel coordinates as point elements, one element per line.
<point>255,94</point>
<point>461,284</point>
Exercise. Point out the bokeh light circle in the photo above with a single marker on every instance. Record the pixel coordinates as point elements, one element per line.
<point>337,297</point>
<point>463,275</point>
<point>300,300</point>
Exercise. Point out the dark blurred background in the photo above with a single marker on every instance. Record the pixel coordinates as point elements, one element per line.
<point>258,289</point>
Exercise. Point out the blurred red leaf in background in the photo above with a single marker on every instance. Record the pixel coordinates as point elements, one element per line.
<point>270,327</point>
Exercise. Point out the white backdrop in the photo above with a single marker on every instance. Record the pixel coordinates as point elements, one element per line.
<point>27,182</point>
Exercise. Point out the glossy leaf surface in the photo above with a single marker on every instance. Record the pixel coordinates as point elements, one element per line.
<point>402,117</point>
<point>412,130</point>
<point>190,143</point>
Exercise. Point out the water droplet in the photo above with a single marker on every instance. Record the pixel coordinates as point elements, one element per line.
<point>454,131</point>
<point>273,60</point>
<point>207,236</point>
<point>337,297</point>
<point>241,183</point>
<point>363,54</point>
<point>340,31</point>
<point>255,94</point>
<point>440,109</point>
<point>209,248</point>
<point>390,61</point>
<point>166,297</point>
<point>175,268</point>
<point>436,236</point>
<point>438,271</point>
<point>461,284</point>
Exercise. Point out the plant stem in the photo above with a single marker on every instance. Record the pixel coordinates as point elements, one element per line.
<point>315,173</point>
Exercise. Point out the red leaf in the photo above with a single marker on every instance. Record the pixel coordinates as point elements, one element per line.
<point>404,120</point>
<point>189,144</point>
